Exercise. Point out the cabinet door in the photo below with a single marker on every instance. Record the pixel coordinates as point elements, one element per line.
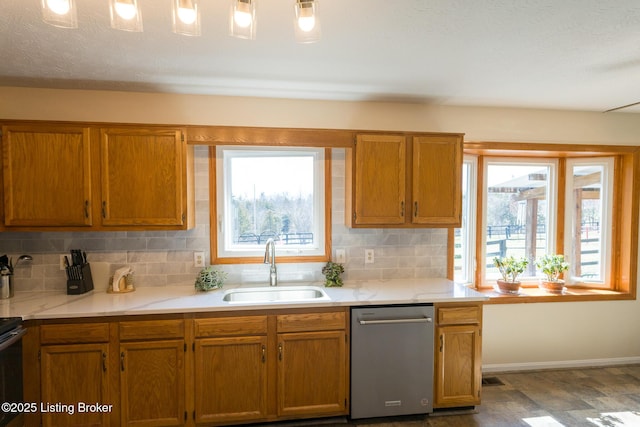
<point>437,180</point>
<point>230,379</point>
<point>380,175</point>
<point>46,176</point>
<point>72,374</point>
<point>152,383</point>
<point>143,179</point>
<point>458,366</point>
<point>312,373</point>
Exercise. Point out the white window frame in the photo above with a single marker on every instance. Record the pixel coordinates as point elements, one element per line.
<point>605,221</point>
<point>225,247</point>
<point>552,196</point>
<point>468,229</point>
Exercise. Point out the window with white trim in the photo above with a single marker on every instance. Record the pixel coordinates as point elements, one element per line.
<point>519,214</point>
<point>270,192</point>
<point>464,237</point>
<point>589,201</point>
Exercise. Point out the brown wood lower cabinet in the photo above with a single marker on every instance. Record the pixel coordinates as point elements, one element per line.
<point>152,386</point>
<point>193,370</point>
<point>458,365</point>
<point>312,373</point>
<point>231,369</point>
<point>74,375</point>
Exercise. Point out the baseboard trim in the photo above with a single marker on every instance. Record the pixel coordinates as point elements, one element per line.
<point>559,364</point>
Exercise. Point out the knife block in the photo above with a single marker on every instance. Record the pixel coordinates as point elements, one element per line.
<point>82,285</point>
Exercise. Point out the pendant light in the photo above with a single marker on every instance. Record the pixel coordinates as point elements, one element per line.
<point>306,24</point>
<point>186,17</point>
<point>242,19</point>
<point>125,15</point>
<point>60,13</point>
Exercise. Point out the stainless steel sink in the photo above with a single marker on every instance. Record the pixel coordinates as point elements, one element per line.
<point>275,294</point>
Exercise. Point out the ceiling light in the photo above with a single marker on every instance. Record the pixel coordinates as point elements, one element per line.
<point>306,25</point>
<point>60,13</point>
<point>125,15</point>
<point>186,17</point>
<point>242,19</point>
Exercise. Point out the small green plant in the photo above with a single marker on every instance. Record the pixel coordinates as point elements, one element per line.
<point>552,266</point>
<point>332,271</point>
<point>510,267</point>
<point>209,278</point>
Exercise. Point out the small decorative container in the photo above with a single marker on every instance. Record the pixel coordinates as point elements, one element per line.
<point>209,279</point>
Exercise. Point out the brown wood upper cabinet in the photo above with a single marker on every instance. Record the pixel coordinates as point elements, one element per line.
<point>72,177</point>
<point>47,175</point>
<point>404,180</point>
<point>142,175</point>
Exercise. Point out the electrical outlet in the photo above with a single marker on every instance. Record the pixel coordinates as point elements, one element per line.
<point>368,256</point>
<point>340,256</point>
<point>62,264</point>
<point>198,259</point>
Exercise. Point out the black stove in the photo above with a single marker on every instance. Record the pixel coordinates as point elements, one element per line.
<point>9,323</point>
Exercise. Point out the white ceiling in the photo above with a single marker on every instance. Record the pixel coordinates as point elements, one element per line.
<point>569,54</point>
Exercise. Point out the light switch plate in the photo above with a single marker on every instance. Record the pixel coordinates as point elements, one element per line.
<point>341,256</point>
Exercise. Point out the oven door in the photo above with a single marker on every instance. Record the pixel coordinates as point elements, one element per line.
<point>11,371</point>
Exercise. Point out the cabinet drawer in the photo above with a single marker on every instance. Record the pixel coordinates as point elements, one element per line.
<point>151,329</point>
<point>74,333</point>
<point>230,326</point>
<point>459,315</point>
<point>311,321</point>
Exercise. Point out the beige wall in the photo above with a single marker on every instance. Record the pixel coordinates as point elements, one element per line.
<point>515,336</point>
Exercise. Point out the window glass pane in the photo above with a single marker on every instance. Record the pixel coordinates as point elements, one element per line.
<point>517,215</point>
<point>463,236</point>
<point>589,194</point>
<point>277,194</point>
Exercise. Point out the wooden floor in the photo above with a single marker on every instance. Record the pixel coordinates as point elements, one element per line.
<point>576,397</point>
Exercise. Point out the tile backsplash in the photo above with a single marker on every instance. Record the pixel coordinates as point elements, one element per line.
<point>161,258</point>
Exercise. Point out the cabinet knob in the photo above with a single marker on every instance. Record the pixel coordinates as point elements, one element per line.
<point>280,351</point>
<point>104,361</point>
<point>402,208</point>
<point>264,354</point>
<point>122,361</point>
<point>415,208</point>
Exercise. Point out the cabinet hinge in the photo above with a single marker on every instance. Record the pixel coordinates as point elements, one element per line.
<point>185,347</point>
<point>181,137</point>
<point>39,355</point>
<point>354,216</point>
<point>184,217</point>
<point>193,347</point>
<point>193,415</point>
<point>185,415</point>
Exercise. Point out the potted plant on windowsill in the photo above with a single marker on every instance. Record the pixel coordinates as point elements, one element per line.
<point>510,268</point>
<point>552,266</point>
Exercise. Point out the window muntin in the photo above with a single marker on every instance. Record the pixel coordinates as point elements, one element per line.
<point>589,201</point>
<point>270,192</point>
<point>464,237</point>
<point>519,214</point>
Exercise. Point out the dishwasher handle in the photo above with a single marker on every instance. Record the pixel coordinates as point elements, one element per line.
<point>392,321</point>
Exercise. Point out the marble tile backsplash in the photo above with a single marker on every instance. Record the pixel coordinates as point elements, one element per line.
<point>161,258</point>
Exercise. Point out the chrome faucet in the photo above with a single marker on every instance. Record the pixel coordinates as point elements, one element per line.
<point>270,258</point>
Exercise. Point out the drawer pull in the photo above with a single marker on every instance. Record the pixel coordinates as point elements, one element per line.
<point>391,321</point>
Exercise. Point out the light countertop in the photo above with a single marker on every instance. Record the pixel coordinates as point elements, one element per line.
<point>184,299</point>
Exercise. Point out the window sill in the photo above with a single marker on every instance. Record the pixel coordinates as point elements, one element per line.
<point>535,294</point>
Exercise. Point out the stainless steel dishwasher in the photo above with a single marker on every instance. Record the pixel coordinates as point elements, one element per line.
<point>391,360</point>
